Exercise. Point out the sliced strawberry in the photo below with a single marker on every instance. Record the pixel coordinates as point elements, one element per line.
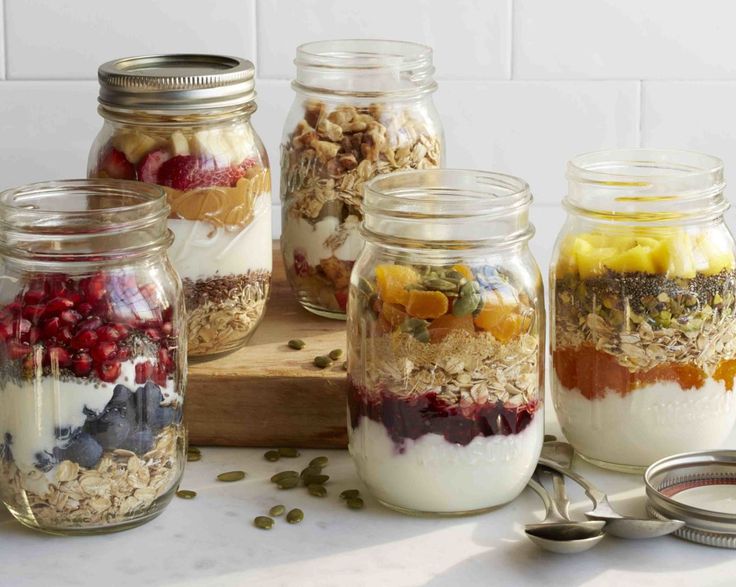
<point>116,166</point>
<point>151,163</point>
<point>301,265</point>
<point>341,296</point>
<point>185,172</point>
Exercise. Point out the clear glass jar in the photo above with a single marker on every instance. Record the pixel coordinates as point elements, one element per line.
<point>362,108</point>
<point>446,342</point>
<point>183,122</point>
<point>92,356</point>
<point>643,293</point>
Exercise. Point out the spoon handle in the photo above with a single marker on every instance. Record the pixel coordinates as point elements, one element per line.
<point>595,494</point>
<point>551,514</point>
<point>560,494</point>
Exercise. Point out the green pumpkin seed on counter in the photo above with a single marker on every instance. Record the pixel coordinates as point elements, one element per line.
<point>193,454</point>
<point>335,354</point>
<point>231,476</point>
<point>349,494</point>
<point>355,503</point>
<point>289,453</point>
<point>263,522</point>
<point>272,456</point>
<point>315,479</point>
<point>296,344</point>
<point>317,490</point>
<point>320,462</point>
<point>186,494</point>
<point>283,475</point>
<point>310,471</point>
<point>322,362</point>
<point>288,483</point>
<point>277,510</point>
<point>295,516</point>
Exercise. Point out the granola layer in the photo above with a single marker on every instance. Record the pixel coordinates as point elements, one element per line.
<point>120,487</point>
<point>225,311</point>
<point>326,160</point>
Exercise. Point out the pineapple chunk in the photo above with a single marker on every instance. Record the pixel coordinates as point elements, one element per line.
<point>134,145</point>
<point>674,256</point>
<point>636,259</point>
<point>590,259</point>
<point>714,253</point>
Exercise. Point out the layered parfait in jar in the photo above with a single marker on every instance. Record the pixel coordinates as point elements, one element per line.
<point>332,146</point>
<point>215,172</point>
<point>92,376</point>
<point>445,376</point>
<point>644,336</point>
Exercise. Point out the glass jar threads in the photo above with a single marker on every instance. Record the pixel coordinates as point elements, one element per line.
<point>643,294</point>
<point>92,356</point>
<point>362,108</point>
<point>446,342</point>
<point>183,122</point>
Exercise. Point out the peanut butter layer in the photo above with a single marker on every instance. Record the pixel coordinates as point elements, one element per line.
<point>221,206</point>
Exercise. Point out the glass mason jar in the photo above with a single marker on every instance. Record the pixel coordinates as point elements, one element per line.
<point>183,122</point>
<point>643,293</point>
<point>446,342</point>
<point>92,356</point>
<point>362,108</point>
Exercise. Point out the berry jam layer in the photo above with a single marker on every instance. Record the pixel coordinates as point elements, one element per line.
<point>224,311</point>
<point>595,373</point>
<point>410,419</point>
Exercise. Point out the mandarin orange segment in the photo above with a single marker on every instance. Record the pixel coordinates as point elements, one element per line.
<point>501,320</point>
<point>393,314</point>
<point>427,304</point>
<point>392,280</point>
<point>464,270</point>
<point>726,372</point>
<point>444,325</point>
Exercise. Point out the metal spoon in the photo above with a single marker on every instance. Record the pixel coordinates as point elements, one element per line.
<point>558,456</point>
<point>558,534</point>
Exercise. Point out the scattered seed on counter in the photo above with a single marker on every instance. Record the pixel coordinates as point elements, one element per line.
<point>277,510</point>
<point>317,490</point>
<point>263,522</point>
<point>296,344</point>
<point>186,494</point>
<point>355,503</point>
<point>320,462</point>
<point>350,494</point>
<point>335,354</point>
<point>295,516</point>
<point>322,362</point>
<point>272,456</point>
<point>231,476</point>
<point>280,476</point>
<point>289,453</point>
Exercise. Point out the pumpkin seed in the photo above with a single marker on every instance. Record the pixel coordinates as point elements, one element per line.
<point>310,471</point>
<point>194,450</point>
<point>319,462</point>
<point>231,476</point>
<point>297,344</point>
<point>317,490</point>
<point>355,503</point>
<point>465,305</point>
<point>186,494</point>
<point>439,284</point>
<point>365,286</point>
<point>276,510</point>
<point>193,457</point>
<point>322,362</point>
<point>272,455</point>
<point>288,483</point>
<point>335,354</point>
<point>316,479</point>
<point>295,516</point>
<point>263,522</point>
<point>284,475</point>
<point>289,453</point>
<point>344,365</point>
<point>349,494</point>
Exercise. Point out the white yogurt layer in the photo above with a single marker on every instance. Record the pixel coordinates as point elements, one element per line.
<point>201,250</point>
<point>298,233</point>
<point>33,410</point>
<point>647,424</point>
<point>434,475</point>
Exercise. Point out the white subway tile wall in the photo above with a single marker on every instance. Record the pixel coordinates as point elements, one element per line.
<point>524,84</point>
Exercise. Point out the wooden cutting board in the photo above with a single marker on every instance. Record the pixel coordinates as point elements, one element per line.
<point>267,394</point>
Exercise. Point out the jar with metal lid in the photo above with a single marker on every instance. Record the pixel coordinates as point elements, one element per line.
<point>362,108</point>
<point>643,299</point>
<point>183,122</point>
<point>92,356</point>
<point>446,342</point>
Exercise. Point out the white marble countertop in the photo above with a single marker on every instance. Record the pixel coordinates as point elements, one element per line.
<point>210,541</point>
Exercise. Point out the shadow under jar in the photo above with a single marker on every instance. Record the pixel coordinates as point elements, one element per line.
<point>92,356</point>
<point>362,108</point>
<point>183,122</point>
<point>446,343</point>
<point>643,296</point>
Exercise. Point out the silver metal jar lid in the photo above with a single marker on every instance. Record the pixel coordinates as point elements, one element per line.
<point>699,488</point>
<point>176,83</point>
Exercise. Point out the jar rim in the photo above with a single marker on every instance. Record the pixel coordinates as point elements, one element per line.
<point>176,83</point>
<point>646,184</point>
<point>69,211</point>
<point>441,206</point>
<point>383,67</point>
